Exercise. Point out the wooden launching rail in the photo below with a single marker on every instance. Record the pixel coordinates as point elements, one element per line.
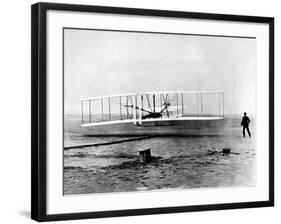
<point>106,143</point>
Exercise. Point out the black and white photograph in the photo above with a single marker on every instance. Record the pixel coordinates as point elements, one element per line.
<point>152,111</point>
<point>134,111</point>
<point>139,111</point>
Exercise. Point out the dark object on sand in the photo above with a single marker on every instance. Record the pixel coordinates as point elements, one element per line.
<point>212,152</point>
<point>226,151</point>
<point>145,155</point>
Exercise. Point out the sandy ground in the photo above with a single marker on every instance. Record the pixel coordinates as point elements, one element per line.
<point>178,162</point>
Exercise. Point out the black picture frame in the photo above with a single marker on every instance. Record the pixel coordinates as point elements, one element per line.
<point>39,108</point>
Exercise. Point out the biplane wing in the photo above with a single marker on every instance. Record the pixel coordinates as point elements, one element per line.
<point>138,108</point>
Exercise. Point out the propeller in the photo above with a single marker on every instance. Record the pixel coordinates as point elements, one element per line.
<point>166,105</point>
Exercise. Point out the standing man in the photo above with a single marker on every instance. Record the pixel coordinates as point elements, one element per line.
<point>245,123</point>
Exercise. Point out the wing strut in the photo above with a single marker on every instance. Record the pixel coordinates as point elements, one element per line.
<point>197,104</point>
<point>102,108</point>
<point>120,104</point>
<point>182,110</point>
<point>201,103</point>
<point>153,96</point>
<point>82,112</point>
<point>90,113</point>
<point>109,112</point>
<point>177,105</point>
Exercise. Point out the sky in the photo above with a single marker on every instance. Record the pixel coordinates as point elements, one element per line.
<point>98,63</point>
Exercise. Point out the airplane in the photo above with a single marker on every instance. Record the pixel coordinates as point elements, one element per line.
<point>144,107</point>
